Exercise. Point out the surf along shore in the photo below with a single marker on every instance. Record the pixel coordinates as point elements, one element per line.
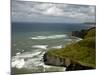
<point>79,55</point>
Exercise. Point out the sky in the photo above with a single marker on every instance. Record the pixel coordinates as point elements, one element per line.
<point>30,11</point>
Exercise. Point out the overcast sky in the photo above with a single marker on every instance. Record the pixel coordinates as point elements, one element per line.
<point>29,11</point>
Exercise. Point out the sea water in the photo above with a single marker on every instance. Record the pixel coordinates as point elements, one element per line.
<point>31,40</point>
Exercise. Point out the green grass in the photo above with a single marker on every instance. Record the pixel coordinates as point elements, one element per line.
<point>82,52</point>
<point>91,33</point>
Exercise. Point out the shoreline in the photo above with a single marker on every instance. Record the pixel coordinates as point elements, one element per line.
<point>55,59</point>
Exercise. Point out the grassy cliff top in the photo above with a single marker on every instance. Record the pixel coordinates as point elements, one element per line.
<point>82,52</point>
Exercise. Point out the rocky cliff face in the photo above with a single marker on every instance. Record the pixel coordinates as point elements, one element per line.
<point>68,63</point>
<point>56,61</point>
<point>81,33</point>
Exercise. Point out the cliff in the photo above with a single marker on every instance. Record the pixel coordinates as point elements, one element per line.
<point>76,56</point>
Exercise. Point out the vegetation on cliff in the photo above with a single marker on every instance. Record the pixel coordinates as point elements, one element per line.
<point>82,52</point>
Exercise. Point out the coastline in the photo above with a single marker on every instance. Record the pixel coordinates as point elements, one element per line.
<point>78,59</point>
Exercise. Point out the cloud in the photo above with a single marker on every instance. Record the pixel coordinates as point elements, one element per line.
<point>36,11</point>
<point>53,11</point>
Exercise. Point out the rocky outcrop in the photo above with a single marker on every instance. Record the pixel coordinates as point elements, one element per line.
<point>56,61</point>
<point>81,33</point>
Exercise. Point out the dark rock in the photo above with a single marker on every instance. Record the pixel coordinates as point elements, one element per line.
<point>82,32</point>
<point>55,61</point>
<point>79,34</point>
<point>77,66</point>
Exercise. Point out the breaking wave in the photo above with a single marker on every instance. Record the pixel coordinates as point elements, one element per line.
<point>40,46</point>
<point>48,37</point>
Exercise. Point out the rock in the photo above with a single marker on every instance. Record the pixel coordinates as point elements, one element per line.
<point>55,61</point>
<point>81,33</point>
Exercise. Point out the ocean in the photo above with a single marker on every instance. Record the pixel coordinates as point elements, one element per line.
<point>29,41</point>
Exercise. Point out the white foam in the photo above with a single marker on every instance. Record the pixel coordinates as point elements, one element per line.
<point>40,46</point>
<point>79,39</point>
<point>39,37</point>
<point>48,37</point>
<point>68,39</point>
<point>18,63</point>
<point>18,53</point>
<point>32,62</point>
<point>57,47</point>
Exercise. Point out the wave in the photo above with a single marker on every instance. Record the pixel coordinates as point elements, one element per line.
<point>32,58</point>
<point>48,37</point>
<point>57,47</point>
<point>31,61</point>
<point>18,63</point>
<point>40,46</point>
<point>24,59</point>
<point>18,53</point>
